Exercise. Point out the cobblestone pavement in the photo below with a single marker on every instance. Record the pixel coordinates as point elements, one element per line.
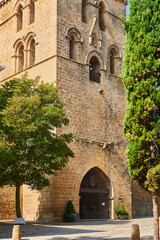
<point>87,230</point>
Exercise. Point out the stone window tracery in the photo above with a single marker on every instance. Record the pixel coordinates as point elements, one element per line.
<point>24,52</point>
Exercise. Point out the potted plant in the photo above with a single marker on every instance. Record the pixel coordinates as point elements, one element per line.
<point>70,214</point>
<point>121,212</point>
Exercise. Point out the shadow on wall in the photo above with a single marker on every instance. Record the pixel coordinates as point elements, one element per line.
<point>46,199</point>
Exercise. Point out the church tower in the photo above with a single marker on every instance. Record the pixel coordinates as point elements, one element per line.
<point>78,44</point>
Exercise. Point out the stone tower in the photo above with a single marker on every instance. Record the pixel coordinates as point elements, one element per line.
<point>78,45</point>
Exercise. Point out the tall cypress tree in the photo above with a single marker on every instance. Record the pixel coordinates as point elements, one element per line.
<point>141,76</point>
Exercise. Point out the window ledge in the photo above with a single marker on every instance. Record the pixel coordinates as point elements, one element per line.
<point>114,75</point>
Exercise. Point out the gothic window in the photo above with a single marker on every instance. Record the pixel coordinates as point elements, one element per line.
<point>102,16</point>
<point>32,11</point>
<point>31,52</point>
<point>73,47</point>
<point>113,55</point>
<point>84,11</point>
<point>19,18</point>
<point>94,70</point>
<point>20,57</point>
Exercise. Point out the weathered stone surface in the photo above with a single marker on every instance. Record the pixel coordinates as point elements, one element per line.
<point>96,117</point>
<point>16,234</point>
<point>135,232</point>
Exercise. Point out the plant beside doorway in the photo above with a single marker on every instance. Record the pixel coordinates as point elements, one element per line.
<point>70,214</point>
<point>121,212</point>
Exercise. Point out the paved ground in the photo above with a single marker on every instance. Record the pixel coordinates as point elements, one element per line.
<point>87,230</point>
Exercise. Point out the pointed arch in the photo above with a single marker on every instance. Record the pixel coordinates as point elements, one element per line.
<point>95,189</point>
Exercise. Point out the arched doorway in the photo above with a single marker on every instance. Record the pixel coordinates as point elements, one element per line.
<point>95,192</point>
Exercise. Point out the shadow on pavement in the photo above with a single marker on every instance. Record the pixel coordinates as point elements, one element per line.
<point>98,238</point>
<point>105,222</point>
<point>43,230</point>
<point>38,229</point>
<point>124,238</point>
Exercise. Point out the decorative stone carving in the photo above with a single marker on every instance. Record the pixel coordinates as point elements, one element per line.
<point>95,37</point>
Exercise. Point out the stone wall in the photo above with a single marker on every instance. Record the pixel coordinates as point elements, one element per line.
<point>7,203</point>
<point>96,117</point>
<point>141,201</point>
<point>95,110</point>
<point>44,30</point>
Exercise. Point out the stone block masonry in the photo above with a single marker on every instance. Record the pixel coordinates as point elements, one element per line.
<point>68,52</point>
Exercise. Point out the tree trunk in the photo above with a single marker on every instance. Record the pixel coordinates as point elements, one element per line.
<point>18,208</point>
<point>156,215</point>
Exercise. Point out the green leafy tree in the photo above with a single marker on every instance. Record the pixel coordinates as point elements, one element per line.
<point>30,149</point>
<point>141,76</point>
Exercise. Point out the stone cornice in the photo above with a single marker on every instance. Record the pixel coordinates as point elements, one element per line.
<point>3,2</point>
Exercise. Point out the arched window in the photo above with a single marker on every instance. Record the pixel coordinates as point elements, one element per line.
<point>73,47</point>
<point>113,55</point>
<point>101,16</point>
<point>32,11</point>
<point>20,57</point>
<point>19,18</point>
<point>94,70</point>
<point>31,52</point>
<point>84,11</point>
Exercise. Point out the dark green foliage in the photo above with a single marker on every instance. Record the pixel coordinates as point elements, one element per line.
<point>70,214</point>
<point>121,212</point>
<point>141,76</point>
<point>70,208</point>
<point>30,149</point>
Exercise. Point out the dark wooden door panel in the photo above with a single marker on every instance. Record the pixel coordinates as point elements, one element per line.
<point>94,206</point>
